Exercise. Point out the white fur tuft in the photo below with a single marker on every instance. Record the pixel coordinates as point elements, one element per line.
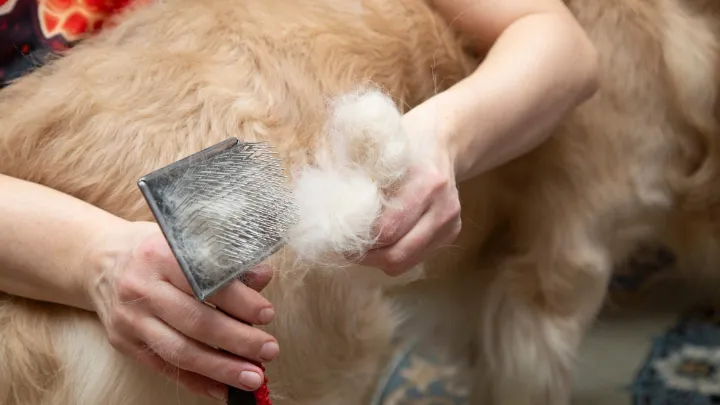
<point>337,211</point>
<point>366,131</point>
<point>364,152</point>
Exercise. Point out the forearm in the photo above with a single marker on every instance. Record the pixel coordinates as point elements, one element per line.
<point>46,242</point>
<point>539,69</point>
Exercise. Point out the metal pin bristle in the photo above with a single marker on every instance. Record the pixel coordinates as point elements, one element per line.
<point>223,210</point>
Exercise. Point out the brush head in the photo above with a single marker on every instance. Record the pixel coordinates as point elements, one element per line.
<point>223,210</point>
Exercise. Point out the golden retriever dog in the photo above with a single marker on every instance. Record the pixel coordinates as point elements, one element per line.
<point>541,234</point>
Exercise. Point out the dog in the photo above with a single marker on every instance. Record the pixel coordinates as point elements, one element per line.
<point>541,236</point>
<point>635,164</point>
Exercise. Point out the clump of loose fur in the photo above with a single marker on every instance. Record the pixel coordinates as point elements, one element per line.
<point>366,133</point>
<point>365,152</point>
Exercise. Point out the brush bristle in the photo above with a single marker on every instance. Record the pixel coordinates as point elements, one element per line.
<point>225,212</point>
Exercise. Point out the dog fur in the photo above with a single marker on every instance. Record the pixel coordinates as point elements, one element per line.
<point>172,78</point>
<point>541,234</point>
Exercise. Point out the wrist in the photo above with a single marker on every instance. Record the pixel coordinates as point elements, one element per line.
<point>459,144</point>
<point>459,135</point>
<point>52,240</point>
<point>105,254</point>
<point>432,125</point>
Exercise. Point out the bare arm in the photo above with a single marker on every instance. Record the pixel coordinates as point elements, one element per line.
<point>59,249</point>
<point>45,242</point>
<point>540,64</point>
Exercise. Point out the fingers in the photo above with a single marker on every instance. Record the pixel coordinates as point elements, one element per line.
<point>411,250</point>
<point>259,277</point>
<point>238,300</point>
<point>136,350</point>
<point>212,327</point>
<point>396,222</point>
<point>195,383</point>
<point>244,303</point>
<point>437,227</point>
<point>194,357</point>
<point>160,323</point>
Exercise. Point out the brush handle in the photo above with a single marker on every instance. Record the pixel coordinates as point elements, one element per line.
<point>237,396</point>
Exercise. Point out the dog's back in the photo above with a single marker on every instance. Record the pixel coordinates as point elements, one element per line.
<point>180,75</point>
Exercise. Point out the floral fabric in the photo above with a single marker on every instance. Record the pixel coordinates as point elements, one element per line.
<point>30,29</point>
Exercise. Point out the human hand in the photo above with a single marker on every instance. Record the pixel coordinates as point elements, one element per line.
<point>428,213</point>
<point>146,306</point>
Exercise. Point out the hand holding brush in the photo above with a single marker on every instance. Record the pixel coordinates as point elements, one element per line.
<point>150,314</point>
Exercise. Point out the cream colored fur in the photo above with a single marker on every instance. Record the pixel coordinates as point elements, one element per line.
<point>541,234</point>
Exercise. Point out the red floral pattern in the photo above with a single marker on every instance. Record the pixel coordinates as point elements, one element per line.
<point>34,27</point>
<point>73,19</point>
<point>6,6</point>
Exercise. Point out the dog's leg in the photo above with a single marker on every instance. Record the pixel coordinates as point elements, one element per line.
<point>533,317</point>
<point>569,230</point>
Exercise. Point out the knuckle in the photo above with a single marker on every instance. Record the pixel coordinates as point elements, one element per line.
<point>182,347</point>
<point>158,346</point>
<point>389,222</point>
<point>244,344</point>
<point>395,257</point>
<point>245,339</point>
<point>193,317</point>
<point>116,340</point>
<point>121,321</point>
<point>437,183</point>
<point>173,350</point>
<point>153,250</point>
<point>452,214</point>
<point>388,232</point>
<point>180,354</point>
<point>129,289</point>
<point>146,251</point>
<point>395,262</point>
<point>458,227</point>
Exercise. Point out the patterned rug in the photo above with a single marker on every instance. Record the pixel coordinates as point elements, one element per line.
<point>629,358</point>
<point>680,367</point>
<point>683,367</point>
<point>418,375</point>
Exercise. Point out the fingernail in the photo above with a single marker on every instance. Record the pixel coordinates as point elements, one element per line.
<point>269,351</point>
<point>252,276</point>
<point>266,316</point>
<point>250,380</point>
<point>217,392</point>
